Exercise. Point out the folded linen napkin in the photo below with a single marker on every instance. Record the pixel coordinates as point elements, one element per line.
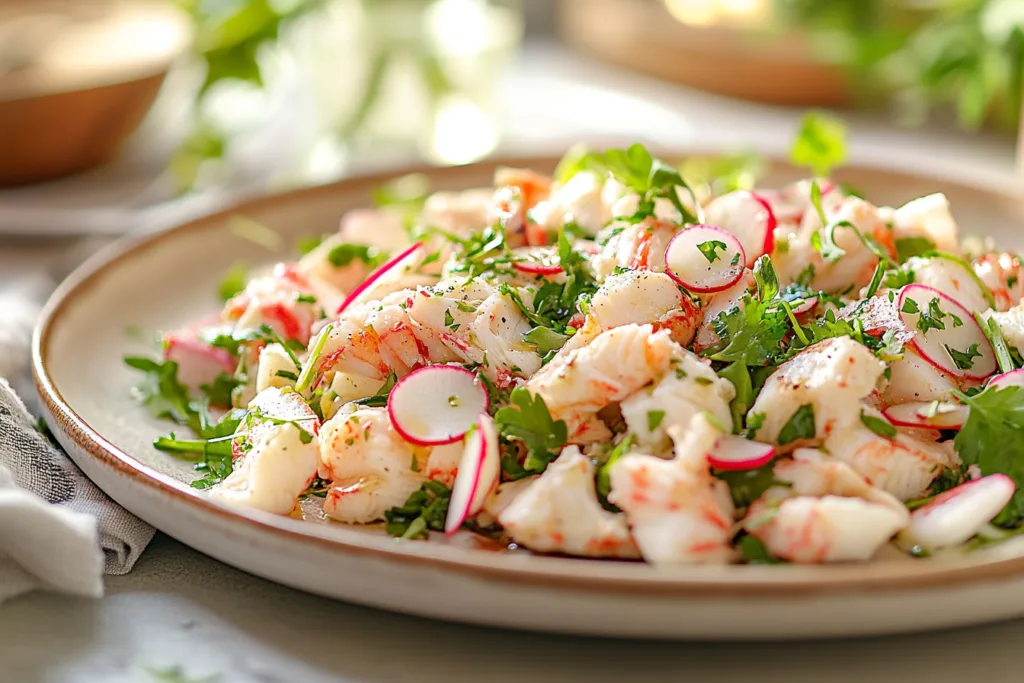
<point>57,530</point>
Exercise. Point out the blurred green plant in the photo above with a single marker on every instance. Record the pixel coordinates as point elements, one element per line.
<point>964,53</point>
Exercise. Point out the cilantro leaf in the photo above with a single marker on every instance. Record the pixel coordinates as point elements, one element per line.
<point>710,249</point>
<point>820,143</point>
<point>424,511</point>
<point>545,339</point>
<point>646,175</point>
<point>602,481</point>
<point>878,425</point>
<point>219,391</point>
<point>746,486</point>
<point>341,255</point>
<point>907,247</point>
<point>754,552</point>
<point>162,393</point>
<point>739,376</point>
<point>963,359</point>
<point>799,426</point>
<point>234,281</point>
<point>527,420</point>
<point>990,439</point>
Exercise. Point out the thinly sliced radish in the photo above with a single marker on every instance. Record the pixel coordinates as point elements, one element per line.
<point>737,453</point>
<point>934,414</point>
<point>537,261</point>
<point>406,258</point>
<point>1013,378</point>
<point>807,306</point>
<point>960,513</point>
<point>749,217</point>
<point>719,266</point>
<point>954,277</point>
<point>198,362</point>
<point>478,474</point>
<point>437,404</point>
<point>959,332</point>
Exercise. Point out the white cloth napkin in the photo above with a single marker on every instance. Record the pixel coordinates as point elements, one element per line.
<point>57,530</point>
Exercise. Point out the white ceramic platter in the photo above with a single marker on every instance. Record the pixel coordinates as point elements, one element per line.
<point>165,280</point>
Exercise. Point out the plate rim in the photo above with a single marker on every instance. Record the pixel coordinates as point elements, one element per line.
<point>542,571</point>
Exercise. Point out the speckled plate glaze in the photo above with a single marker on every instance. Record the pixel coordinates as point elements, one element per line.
<point>165,280</point>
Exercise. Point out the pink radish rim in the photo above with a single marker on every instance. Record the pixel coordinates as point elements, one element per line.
<point>740,465</point>
<point>417,441</point>
<point>966,316</point>
<point>1013,378</point>
<point>922,421</point>
<point>538,267</point>
<point>769,238</point>
<point>484,444</point>
<point>958,490</point>
<point>375,275</point>
<point>731,238</point>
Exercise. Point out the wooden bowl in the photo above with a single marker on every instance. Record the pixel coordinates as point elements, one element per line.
<point>77,77</point>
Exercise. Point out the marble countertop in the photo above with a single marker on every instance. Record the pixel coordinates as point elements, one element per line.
<point>181,609</point>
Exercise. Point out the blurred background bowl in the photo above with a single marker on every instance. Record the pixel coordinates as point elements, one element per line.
<point>77,77</point>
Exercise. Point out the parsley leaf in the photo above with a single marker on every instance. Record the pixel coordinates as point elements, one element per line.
<point>545,340</point>
<point>710,249</point>
<point>963,359</point>
<point>746,486</point>
<point>219,392</point>
<point>341,255</point>
<point>754,552</point>
<point>820,143</point>
<point>654,418</point>
<point>799,426</point>
<point>995,336</point>
<point>233,281</point>
<point>603,482</point>
<point>878,425</point>
<point>907,247</point>
<point>162,393</point>
<point>424,511</point>
<point>527,420</point>
<point>990,439</point>
<point>646,175</point>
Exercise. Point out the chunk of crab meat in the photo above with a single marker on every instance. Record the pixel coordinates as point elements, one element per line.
<point>441,462</point>
<point>198,362</point>
<point>719,303</point>
<point>903,465</point>
<point>793,201</point>
<point>280,458</point>
<point>581,200</point>
<point>636,246</point>
<point>279,300</point>
<point>517,191</point>
<point>503,495</point>
<point>689,388</point>
<point>276,368</point>
<point>638,297</point>
<point>383,228</point>
<point>928,217</point>
<point>831,376</point>
<point>913,379</point>
<point>812,473</point>
<point>345,387</point>
<point>1002,274</point>
<point>487,331</point>
<point>576,385</point>
<point>677,511</point>
<point>810,530</point>
<point>560,513</point>
<point>854,268</point>
<point>462,213</point>
<point>369,464</point>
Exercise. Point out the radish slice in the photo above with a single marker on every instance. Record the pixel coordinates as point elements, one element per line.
<point>749,217</point>
<point>934,414</point>
<point>198,362</point>
<point>478,474</point>
<point>1013,378</point>
<point>403,260</point>
<point>436,405</point>
<point>960,513</point>
<point>538,261</point>
<point>737,453</point>
<point>807,306</point>
<point>705,259</point>
<point>954,277</point>
<point>960,333</point>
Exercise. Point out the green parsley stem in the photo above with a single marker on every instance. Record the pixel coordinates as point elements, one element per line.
<point>309,367</point>
<point>995,336</point>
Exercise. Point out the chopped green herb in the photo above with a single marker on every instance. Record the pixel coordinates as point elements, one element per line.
<point>963,359</point>
<point>879,425</point>
<point>305,299</point>
<point>754,552</point>
<point>906,247</point>
<point>528,421</point>
<point>654,418</point>
<point>710,249</point>
<point>820,143</point>
<point>343,254</point>
<point>746,486</point>
<point>990,439</point>
<point>424,511</point>
<point>233,282</point>
<point>799,426</point>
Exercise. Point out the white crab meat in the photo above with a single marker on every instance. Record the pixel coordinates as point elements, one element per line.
<point>577,384</point>
<point>462,213</point>
<point>831,376</point>
<point>277,460</point>
<point>904,466</point>
<point>677,511</point>
<point>928,217</point>
<point>912,378</point>
<point>560,513</point>
<point>346,387</point>
<point>372,469</point>
<point>286,300</point>
<point>636,246</point>
<point>831,528</point>
<point>689,388</point>
<point>581,200</point>
<point>1001,273</point>
<point>276,368</point>
<point>719,303</point>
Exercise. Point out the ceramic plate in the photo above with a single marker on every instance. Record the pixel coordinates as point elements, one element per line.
<point>165,280</point>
